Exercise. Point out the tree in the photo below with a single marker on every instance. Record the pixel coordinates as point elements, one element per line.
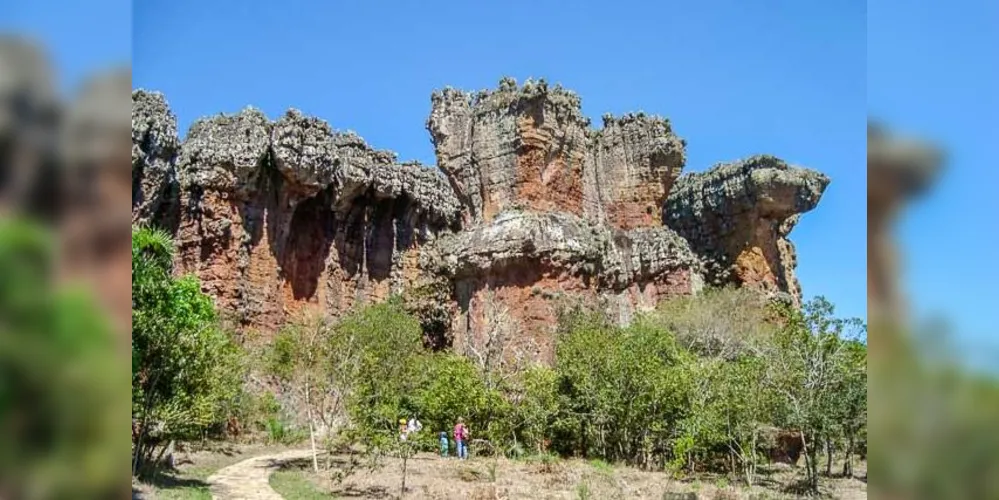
<point>384,390</point>
<point>722,323</point>
<point>497,357</point>
<point>536,405</point>
<point>186,371</point>
<point>302,359</point>
<point>805,368</point>
<point>745,408</point>
<point>851,410</point>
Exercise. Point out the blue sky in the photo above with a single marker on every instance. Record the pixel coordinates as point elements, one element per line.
<point>933,72</point>
<point>737,78</point>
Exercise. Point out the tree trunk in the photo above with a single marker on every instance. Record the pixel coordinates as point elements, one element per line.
<point>814,482</point>
<point>140,440</point>
<point>312,431</point>
<point>810,468</point>
<point>829,457</point>
<point>848,460</point>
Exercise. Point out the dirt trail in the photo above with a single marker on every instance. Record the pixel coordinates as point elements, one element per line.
<point>247,480</point>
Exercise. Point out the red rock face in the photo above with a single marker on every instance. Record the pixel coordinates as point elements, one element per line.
<point>549,177</point>
<point>532,212</point>
<point>517,305</point>
<point>278,218</point>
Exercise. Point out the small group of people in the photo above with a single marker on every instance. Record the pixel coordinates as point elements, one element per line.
<point>461,435</point>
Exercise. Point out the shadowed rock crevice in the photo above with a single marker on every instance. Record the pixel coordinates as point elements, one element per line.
<point>310,238</point>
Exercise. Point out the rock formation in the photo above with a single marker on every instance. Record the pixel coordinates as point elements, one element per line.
<point>530,211</point>
<point>739,216</point>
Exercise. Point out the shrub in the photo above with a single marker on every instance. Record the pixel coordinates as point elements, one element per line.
<point>186,371</point>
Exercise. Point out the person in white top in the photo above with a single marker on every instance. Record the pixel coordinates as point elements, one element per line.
<point>413,426</point>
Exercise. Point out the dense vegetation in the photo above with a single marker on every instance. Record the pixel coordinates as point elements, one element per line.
<point>680,390</point>
<point>702,383</point>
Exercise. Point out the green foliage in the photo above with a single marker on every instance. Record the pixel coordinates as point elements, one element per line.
<point>620,388</point>
<point>690,385</point>
<point>643,394</point>
<point>279,432</point>
<point>815,367</point>
<point>601,466</point>
<point>537,406</point>
<point>450,386</point>
<point>186,371</point>
<point>389,343</point>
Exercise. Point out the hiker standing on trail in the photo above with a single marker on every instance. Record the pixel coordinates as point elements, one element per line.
<point>461,438</point>
<point>403,430</point>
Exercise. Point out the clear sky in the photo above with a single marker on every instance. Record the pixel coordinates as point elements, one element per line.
<point>737,78</point>
<point>933,71</point>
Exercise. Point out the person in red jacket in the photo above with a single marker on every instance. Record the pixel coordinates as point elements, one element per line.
<point>461,438</point>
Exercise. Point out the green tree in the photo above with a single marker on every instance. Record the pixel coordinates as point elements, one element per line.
<point>536,403</point>
<point>805,372</point>
<point>851,400</point>
<point>745,409</point>
<point>186,371</point>
<point>386,385</point>
<point>450,386</point>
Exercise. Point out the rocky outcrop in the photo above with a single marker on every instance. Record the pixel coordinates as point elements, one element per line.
<point>284,215</point>
<point>530,212</point>
<point>531,148</point>
<point>739,216</point>
<point>30,112</point>
<point>154,147</point>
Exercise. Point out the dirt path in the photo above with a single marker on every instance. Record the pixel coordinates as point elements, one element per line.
<point>247,480</point>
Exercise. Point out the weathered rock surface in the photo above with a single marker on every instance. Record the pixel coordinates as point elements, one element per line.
<point>30,112</point>
<point>524,265</point>
<point>531,211</point>
<point>154,147</point>
<point>277,216</point>
<point>738,216</point>
<point>531,148</point>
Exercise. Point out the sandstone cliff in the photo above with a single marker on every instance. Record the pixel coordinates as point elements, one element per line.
<point>530,211</point>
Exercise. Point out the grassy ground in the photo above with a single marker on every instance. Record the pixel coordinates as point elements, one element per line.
<point>193,468</point>
<point>431,478</point>
<point>298,484</point>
